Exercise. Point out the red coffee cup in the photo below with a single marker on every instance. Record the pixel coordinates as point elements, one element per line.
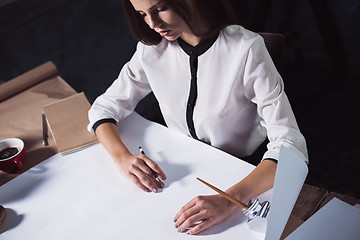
<point>12,155</point>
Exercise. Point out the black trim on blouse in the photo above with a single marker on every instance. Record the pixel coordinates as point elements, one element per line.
<point>101,121</point>
<point>194,53</point>
<point>271,159</point>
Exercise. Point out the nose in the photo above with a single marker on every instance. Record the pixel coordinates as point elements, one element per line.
<point>154,21</point>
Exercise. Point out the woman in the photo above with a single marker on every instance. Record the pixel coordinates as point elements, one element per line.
<point>214,82</point>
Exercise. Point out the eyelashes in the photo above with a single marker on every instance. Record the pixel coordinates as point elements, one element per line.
<point>154,11</point>
<point>162,8</point>
<point>142,14</point>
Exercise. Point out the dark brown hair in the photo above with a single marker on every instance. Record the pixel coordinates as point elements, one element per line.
<point>194,12</point>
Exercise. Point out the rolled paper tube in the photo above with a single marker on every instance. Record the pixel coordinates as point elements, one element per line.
<point>26,80</point>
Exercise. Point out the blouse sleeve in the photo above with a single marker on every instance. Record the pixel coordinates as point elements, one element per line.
<point>121,98</point>
<point>265,88</point>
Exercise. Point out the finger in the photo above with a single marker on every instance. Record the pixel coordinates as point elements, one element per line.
<point>154,166</point>
<point>138,183</point>
<point>192,226</point>
<point>186,219</point>
<point>160,183</point>
<point>141,164</point>
<point>192,221</point>
<point>144,179</point>
<point>183,209</point>
<point>200,227</point>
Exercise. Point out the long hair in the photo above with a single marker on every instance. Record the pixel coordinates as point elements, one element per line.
<point>194,12</point>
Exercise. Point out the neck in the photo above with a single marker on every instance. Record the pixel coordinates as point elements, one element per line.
<point>190,39</point>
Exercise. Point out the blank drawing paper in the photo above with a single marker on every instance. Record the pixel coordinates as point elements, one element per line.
<point>289,179</point>
<point>83,196</point>
<point>335,220</point>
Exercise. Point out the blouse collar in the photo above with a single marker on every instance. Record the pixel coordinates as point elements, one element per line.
<point>199,49</point>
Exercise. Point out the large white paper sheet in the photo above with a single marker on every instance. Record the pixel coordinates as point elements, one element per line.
<point>83,196</point>
<point>290,175</point>
<point>335,220</point>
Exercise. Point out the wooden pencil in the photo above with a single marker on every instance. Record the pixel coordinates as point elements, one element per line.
<point>224,194</point>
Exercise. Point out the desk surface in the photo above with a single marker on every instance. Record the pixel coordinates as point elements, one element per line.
<point>29,129</point>
<point>82,195</point>
<point>20,116</point>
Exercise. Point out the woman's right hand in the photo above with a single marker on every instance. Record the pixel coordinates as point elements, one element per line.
<point>138,168</point>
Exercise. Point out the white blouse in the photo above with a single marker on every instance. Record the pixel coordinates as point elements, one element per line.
<point>239,95</point>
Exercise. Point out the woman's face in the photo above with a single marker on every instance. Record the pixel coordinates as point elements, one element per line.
<point>160,17</point>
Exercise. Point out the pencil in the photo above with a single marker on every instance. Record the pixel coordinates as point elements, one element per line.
<point>44,129</point>
<point>153,172</point>
<point>224,194</point>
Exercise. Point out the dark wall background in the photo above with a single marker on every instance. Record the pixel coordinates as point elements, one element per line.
<point>89,41</point>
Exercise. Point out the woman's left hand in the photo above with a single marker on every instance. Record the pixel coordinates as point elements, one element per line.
<point>203,212</point>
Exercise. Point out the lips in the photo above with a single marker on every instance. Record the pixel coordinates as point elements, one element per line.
<point>164,33</point>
